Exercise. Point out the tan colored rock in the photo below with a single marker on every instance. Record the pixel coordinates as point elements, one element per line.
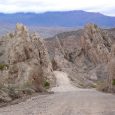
<point>28,62</point>
<point>87,56</point>
<point>111,71</point>
<point>85,62</point>
<point>96,44</point>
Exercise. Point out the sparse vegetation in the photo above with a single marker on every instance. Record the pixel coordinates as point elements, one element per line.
<point>113,82</point>
<point>3,66</point>
<point>46,84</point>
<point>26,88</point>
<point>102,86</point>
<point>12,93</point>
<point>7,93</point>
<point>1,53</point>
<point>15,92</point>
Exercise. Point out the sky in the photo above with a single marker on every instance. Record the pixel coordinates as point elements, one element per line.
<point>106,7</point>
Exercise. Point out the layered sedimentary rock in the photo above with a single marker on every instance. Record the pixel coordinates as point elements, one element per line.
<point>26,65</point>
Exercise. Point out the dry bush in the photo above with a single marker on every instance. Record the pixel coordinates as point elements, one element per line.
<point>102,86</point>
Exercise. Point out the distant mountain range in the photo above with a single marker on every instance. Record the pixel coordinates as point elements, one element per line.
<point>52,19</point>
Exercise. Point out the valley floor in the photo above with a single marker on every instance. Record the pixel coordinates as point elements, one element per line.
<point>65,102</point>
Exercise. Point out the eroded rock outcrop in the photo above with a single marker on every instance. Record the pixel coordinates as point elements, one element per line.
<point>96,44</point>
<point>86,62</point>
<point>111,71</point>
<point>27,65</point>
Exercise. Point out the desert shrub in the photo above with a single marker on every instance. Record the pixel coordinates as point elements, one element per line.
<point>54,65</point>
<point>12,93</point>
<point>102,86</point>
<point>11,35</point>
<point>28,91</point>
<point>2,100</point>
<point>113,82</point>
<point>26,88</point>
<point>27,84</point>
<point>1,53</point>
<point>1,85</point>
<point>46,84</point>
<point>2,66</point>
<point>15,92</point>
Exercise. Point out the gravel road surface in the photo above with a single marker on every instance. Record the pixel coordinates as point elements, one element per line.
<point>65,101</point>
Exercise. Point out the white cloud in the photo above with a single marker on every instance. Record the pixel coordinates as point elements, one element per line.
<point>104,6</point>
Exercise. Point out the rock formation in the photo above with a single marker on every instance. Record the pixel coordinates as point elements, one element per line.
<point>26,65</point>
<point>88,58</point>
<point>96,44</point>
<point>111,71</point>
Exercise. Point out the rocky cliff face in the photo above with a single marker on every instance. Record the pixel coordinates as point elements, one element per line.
<point>111,70</point>
<point>87,58</point>
<point>96,44</point>
<point>100,49</point>
<point>26,66</point>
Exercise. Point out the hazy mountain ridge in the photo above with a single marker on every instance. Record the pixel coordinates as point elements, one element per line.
<point>65,19</point>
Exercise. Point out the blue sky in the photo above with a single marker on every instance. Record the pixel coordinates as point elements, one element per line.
<point>106,7</point>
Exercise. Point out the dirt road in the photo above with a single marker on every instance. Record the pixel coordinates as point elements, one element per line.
<point>65,102</point>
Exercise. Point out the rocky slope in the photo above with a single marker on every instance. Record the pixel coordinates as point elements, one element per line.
<point>96,44</point>
<point>86,55</point>
<point>24,64</point>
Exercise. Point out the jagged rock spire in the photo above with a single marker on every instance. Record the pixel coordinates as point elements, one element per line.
<point>21,30</point>
<point>96,44</point>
